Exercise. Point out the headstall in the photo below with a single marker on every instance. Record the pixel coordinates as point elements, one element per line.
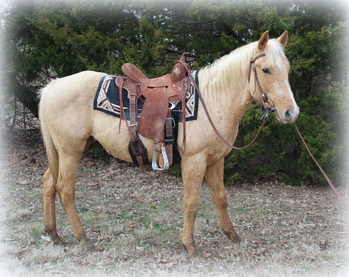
<point>264,98</point>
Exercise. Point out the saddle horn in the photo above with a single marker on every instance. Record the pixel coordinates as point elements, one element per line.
<point>179,71</point>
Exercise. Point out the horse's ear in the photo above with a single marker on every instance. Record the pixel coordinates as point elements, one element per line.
<point>283,38</point>
<point>263,40</point>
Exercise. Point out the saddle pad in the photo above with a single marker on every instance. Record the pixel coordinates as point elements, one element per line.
<point>107,100</point>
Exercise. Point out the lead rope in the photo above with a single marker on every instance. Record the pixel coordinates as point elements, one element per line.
<point>264,117</point>
<point>322,171</point>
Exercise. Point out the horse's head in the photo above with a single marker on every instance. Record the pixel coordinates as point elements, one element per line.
<point>268,78</point>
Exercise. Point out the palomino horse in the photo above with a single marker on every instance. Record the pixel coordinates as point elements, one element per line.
<point>228,86</point>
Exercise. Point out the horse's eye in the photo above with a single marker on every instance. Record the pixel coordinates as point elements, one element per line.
<point>266,70</point>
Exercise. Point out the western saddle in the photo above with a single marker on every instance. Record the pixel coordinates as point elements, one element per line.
<point>161,95</point>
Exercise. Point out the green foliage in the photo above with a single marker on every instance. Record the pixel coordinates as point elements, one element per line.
<point>147,51</point>
<point>280,152</point>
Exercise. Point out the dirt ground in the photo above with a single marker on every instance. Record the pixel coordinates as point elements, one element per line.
<point>135,221</point>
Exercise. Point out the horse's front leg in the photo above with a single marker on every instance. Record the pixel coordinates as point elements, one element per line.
<point>214,178</point>
<point>193,170</point>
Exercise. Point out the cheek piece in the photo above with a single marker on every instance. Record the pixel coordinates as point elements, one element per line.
<point>266,104</point>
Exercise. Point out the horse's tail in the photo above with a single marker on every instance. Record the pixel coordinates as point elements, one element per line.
<point>51,150</point>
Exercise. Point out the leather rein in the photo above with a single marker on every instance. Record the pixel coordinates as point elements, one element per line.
<point>264,100</point>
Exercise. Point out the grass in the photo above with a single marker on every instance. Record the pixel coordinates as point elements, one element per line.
<point>135,221</point>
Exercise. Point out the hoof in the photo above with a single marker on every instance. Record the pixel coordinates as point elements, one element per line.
<point>234,237</point>
<point>54,238</point>
<point>190,250</point>
<point>57,241</point>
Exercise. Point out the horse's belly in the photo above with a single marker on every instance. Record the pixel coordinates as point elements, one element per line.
<point>115,138</point>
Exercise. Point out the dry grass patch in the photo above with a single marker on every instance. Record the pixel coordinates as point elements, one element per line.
<point>136,220</point>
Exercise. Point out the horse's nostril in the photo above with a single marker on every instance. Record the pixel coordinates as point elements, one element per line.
<point>288,115</point>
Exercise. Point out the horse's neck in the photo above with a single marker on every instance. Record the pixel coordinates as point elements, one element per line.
<point>232,99</point>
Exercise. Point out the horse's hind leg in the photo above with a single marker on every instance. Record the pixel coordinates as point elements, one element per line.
<point>214,178</point>
<point>68,168</point>
<point>49,208</point>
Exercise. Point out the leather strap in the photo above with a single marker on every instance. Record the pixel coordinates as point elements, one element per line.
<point>264,99</point>
<point>134,112</point>
<point>120,82</point>
<point>322,171</point>
<point>182,94</point>
<point>253,66</point>
<point>265,118</point>
<point>132,127</point>
<point>169,139</point>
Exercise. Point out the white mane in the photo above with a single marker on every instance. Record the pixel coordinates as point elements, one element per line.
<point>229,74</point>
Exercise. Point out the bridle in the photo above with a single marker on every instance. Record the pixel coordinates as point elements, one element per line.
<point>264,98</point>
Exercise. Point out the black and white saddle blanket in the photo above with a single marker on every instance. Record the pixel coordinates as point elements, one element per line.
<point>107,100</point>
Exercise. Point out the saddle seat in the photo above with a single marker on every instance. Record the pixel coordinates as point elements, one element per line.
<point>161,94</point>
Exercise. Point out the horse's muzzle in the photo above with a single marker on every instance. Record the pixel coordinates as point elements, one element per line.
<point>289,116</point>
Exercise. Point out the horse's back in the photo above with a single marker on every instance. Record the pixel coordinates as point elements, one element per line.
<point>67,88</point>
<point>66,106</point>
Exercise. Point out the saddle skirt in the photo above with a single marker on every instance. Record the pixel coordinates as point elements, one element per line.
<point>107,100</point>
